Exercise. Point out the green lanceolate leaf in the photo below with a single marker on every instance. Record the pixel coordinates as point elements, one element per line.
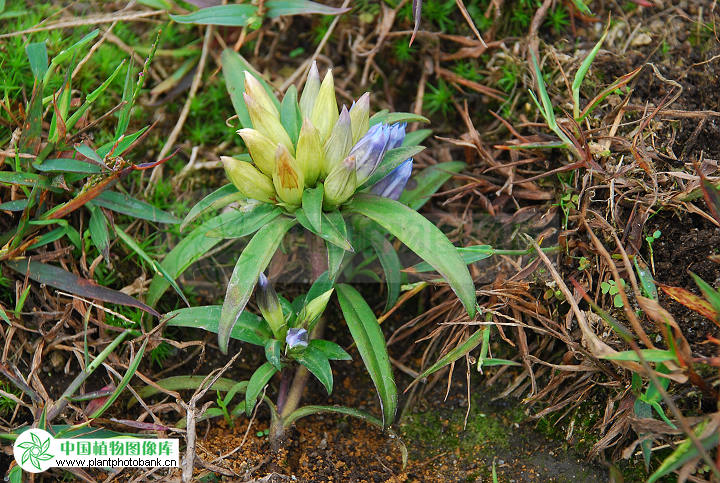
<point>428,181</point>
<point>236,15</point>
<point>312,206</point>
<point>393,117</point>
<point>390,263</point>
<point>215,200</point>
<point>328,233</point>
<point>249,220</point>
<point>331,350</point>
<point>423,238</point>
<point>257,382</point>
<point>248,328</point>
<point>252,262</point>
<point>290,114</point>
<point>455,354</point>
<point>127,205</point>
<point>67,166</point>
<point>416,137</point>
<point>470,254</point>
<point>370,343</point>
<point>285,8</point>
<point>317,363</point>
<point>98,226</point>
<point>273,353</point>
<point>37,55</point>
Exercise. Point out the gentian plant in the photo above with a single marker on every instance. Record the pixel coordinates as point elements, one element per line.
<point>340,174</point>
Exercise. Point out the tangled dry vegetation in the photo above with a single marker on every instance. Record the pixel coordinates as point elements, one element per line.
<point>604,320</point>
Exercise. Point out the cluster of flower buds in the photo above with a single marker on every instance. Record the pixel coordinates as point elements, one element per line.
<point>337,148</point>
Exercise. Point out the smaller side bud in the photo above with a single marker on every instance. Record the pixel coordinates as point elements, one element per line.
<point>267,123</point>
<point>339,143</point>
<point>370,150</point>
<point>248,180</point>
<point>360,117</point>
<point>340,184</point>
<point>269,305</point>
<point>314,309</point>
<point>262,149</point>
<point>255,89</point>
<point>392,185</point>
<point>287,178</point>
<point>397,135</point>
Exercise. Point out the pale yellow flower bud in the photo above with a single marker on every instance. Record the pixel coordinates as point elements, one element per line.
<point>309,155</point>
<point>262,149</point>
<point>255,89</point>
<point>339,143</point>
<point>360,117</point>
<point>248,180</point>
<point>267,123</point>
<point>325,112</point>
<point>288,179</point>
<point>310,91</point>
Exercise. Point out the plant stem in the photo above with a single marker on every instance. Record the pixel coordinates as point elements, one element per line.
<point>289,400</point>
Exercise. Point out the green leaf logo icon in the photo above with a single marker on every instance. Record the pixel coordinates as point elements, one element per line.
<point>32,449</point>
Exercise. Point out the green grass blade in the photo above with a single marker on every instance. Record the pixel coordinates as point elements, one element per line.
<point>257,382</point>
<point>650,355</point>
<point>129,241</point>
<point>132,368</point>
<point>127,205</point>
<point>455,354</point>
<point>285,8</point>
<point>712,295</point>
<point>582,72</point>
<point>423,238</point>
<point>470,254</point>
<point>252,261</point>
<point>183,383</point>
<point>370,343</point>
<point>98,226</point>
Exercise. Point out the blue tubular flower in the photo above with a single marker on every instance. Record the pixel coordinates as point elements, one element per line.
<point>269,305</point>
<point>392,185</point>
<point>296,338</point>
<point>369,151</point>
<point>397,135</point>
